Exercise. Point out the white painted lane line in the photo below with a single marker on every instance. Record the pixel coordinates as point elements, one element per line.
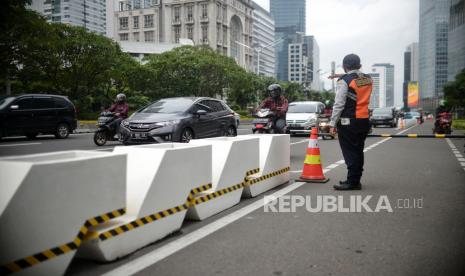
<point>159,254</point>
<point>173,247</point>
<point>23,144</point>
<point>332,166</point>
<point>462,163</point>
<point>340,162</point>
<point>461,159</point>
<point>457,154</point>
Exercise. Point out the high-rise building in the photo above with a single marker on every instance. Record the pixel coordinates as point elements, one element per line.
<point>434,28</point>
<point>456,44</point>
<point>410,69</point>
<point>263,39</point>
<point>304,62</point>
<point>312,50</point>
<point>90,14</point>
<point>389,81</point>
<point>223,26</point>
<point>378,94</point>
<point>289,16</point>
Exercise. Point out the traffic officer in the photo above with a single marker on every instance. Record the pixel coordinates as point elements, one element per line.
<point>350,119</point>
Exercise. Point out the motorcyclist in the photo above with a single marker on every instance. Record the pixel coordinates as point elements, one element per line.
<point>439,110</point>
<point>278,104</point>
<point>121,109</point>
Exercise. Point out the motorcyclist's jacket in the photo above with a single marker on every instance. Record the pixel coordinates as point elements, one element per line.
<point>352,97</point>
<point>121,108</point>
<point>279,106</point>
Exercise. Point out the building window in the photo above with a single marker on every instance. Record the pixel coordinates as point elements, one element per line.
<point>190,13</point>
<point>177,34</point>
<point>149,36</point>
<point>135,36</point>
<point>190,32</point>
<point>135,22</point>
<point>225,36</point>
<point>148,21</point>
<point>204,10</point>
<point>205,33</point>
<point>123,37</point>
<point>123,23</point>
<point>219,35</point>
<point>177,14</point>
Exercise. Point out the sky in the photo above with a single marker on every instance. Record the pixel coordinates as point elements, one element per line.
<point>377,30</point>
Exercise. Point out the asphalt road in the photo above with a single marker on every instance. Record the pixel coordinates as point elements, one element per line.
<point>407,241</point>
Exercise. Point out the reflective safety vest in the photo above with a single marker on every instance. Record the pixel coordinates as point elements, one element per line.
<point>358,95</point>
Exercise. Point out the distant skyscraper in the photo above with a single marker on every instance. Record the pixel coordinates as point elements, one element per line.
<point>434,21</point>
<point>378,94</point>
<point>410,68</point>
<point>263,35</point>
<point>304,62</point>
<point>388,68</point>
<point>456,45</point>
<point>90,14</point>
<point>289,16</point>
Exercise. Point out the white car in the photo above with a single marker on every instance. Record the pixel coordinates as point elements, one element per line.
<point>303,116</point>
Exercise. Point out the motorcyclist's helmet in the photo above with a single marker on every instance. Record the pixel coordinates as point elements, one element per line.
<point>327,102</point>
<point>120,98</point>
<point>275,90</point>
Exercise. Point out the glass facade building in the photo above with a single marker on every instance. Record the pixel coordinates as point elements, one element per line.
<point>263,35</point>
<point>90,14</point>
<point>456,45</point>
<point>433,47</point>
<point>289,16</point>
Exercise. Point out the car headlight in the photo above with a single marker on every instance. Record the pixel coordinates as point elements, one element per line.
<point>323,124</point>
<point>167,123</point>
<point>125,123</point>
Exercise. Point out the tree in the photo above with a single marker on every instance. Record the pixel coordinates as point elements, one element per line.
<point>454,92</point>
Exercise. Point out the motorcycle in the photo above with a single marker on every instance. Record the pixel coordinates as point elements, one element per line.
<point>264,122</point>
<point>443,124</point>
<point>106,130</point>
<point>324,127</point>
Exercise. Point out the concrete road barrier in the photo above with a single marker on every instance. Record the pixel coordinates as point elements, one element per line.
<point>233,159</point>
<point>159,182</point>
<point>48,202</point>
<point>274,164</point>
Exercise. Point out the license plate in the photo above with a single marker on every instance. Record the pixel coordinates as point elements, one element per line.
<point>139,135</point>
<point>260,121</point>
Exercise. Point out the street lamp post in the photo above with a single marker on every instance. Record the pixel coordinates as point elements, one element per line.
<point>260,49</point>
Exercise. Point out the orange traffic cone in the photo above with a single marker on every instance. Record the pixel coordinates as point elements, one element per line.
<point>401,124</point>
<point>312,171</point>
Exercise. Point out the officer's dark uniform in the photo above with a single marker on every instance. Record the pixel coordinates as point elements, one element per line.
<point>354,123</point>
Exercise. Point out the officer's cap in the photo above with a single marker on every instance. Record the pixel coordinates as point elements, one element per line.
<point>351,62</point>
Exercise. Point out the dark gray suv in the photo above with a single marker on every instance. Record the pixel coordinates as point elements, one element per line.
<point>179,120</point>
<point>31,114</point>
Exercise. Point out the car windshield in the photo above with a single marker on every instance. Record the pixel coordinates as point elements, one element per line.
<point>5,101</point>
<point>175,105</point>
<point>382,112</point>
<point>302,108</point>
<point>415,114</point>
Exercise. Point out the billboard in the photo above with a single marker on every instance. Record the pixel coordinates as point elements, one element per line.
<point>413,94</point>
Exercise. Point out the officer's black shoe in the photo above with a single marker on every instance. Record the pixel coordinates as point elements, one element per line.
<point>346,186</point>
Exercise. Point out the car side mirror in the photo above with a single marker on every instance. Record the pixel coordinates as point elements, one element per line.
<point>14,107</point>
<point>201,112</point>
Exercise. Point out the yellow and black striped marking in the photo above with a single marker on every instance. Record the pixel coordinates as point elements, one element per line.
<point>267,176</point>
<point>43,256</point>
<point>228,190</point>
<point>153,217</point>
